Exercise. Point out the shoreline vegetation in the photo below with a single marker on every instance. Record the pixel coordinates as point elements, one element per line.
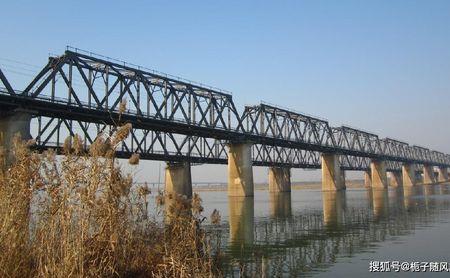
<point>79,215</point>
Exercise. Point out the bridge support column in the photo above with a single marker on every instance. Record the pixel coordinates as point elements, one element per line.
<point>18,122</point>
<point>443,174</point>
<point>428,174</point>
<point>379,174</point>
<point>396,179</point>
<point>409,174</point>
<point>15,122</point>
<point>178,179</point>
<point>331,173</point>
<point>279,179</point>
<point>367,179</point>
<point>240,171</point>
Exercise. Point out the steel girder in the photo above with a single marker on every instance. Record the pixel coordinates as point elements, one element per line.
<point>360,141</point>
<point>270,121</point>
<point>354,163</point>
<point>80,87</point>
<point>266,155</point>
<point>4,84</point>
<point>50,133</point>
<point>363,164</point>
<point>102,85</point>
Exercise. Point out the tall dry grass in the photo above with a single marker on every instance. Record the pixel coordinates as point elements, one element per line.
<point>79,215</point>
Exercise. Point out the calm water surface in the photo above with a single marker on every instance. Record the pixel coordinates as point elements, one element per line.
<point>310,233</point>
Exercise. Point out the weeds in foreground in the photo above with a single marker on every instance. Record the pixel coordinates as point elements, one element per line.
<point>79,216</point>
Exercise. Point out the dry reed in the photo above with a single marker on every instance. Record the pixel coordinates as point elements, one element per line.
<point>80,216</point>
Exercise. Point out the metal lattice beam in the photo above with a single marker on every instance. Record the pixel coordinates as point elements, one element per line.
<point>89,90</point>
<point>50,133</point>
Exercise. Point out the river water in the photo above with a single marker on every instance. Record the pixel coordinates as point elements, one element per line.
<point>325,234</point>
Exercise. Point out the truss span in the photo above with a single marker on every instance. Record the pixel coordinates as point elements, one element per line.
<point>87,89</point>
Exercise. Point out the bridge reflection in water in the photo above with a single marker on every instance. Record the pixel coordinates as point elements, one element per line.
<point>380,201</point>
<point>280,205</point>
<point>334,204</point>
<point>241,214</point>
<point>289,243</point>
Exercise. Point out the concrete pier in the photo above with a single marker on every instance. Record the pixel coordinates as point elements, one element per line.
<point>428,174</point>
<point>178,179</point>
<point>240,170</point>
<point>396,179</point>
<point>443,174</point>
<point>367,179</point>
<point>379,174</point>
<point>279,179</point>
<point>331,173</point>
<point>12,123</point>
<point>409,174</point>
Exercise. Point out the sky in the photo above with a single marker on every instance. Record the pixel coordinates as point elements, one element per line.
<point>381,66</point>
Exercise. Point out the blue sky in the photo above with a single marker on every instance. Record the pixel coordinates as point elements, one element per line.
<point>382,66</point>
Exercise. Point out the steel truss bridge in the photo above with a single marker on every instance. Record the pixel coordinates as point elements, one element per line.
<point>176,120</point>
